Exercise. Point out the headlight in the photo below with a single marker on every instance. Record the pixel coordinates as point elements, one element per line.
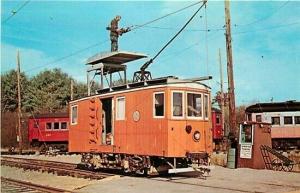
<point>196,136</point>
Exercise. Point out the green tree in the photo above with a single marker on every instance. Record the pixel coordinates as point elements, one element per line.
<point>49,91</point>
<point>9,92</point>
<point>80,90</point>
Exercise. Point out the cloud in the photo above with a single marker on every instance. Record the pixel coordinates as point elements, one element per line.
<point>29,58</point>
<point>33,61</point>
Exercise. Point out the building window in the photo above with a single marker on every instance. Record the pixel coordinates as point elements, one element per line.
<point>275,120</point>
<point>249,117</point>
<point>194,102</point>
<point>297,119</point>
<point>63,125</point>
<point>246,134</point>
<point>120,108</point>
<point>159,104</point>
<point>48,125</point>
<point>177,104</point>
<point>206,106</point>
<point>258,118</point>
<point>74,115</point>
<point>288,120</point>
<point>218,119</point>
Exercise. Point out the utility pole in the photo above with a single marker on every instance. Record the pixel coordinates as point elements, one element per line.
<point>231,97</point>
<point>72,85</point>
<point>19,103</point>
<point>222,94</point>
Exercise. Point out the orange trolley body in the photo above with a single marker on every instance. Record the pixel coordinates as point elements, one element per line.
<point>157,120</point>
<point>148,126</point>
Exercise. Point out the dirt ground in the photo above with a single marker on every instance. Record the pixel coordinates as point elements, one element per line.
<point>221,180</point>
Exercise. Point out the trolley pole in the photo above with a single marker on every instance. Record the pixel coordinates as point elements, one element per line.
<point>232,114</point>
<point>19,104</point>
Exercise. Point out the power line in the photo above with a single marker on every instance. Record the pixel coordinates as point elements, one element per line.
<point>192,30</point>
<point>84,49</point>
<point>266,17</point>
<point>179,52</point>
<point>204,3</point>
<point>221,29</point>
<point>269,28</point>
<point>164,16</point>
<point>13,13</point>
<point>68,56</point>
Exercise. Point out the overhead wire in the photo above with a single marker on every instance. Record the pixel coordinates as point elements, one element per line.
<point>67,56</point>
<point>191,30</point>
<point>145,25</point>
<point>266,17</point>
<point>170,41</point>
<point>181,51</point>
<point>268,28</point>
<point>91,46</point>
<point>134,27</point>
<point>13,13</point>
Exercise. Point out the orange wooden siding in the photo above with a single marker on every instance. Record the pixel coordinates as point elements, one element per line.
<point>149,135</point>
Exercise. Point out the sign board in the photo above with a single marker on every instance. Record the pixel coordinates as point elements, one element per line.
<point>246,151</point>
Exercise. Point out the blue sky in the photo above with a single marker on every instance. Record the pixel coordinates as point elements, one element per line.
<point>266,41</point>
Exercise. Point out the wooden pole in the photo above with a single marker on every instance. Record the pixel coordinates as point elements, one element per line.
<point>72,85</point>
<point>232,115</point>
<point>19,103</point>
<point>222,94</point>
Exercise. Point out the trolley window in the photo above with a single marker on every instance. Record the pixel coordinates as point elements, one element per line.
<point>275,120</point>
<point>63,125</point>
<point>194,105</point>
<point>56,125</point>
<point>120,108</point>
<point>159,105</point>
<point>218,119</point>
<point>206,103</point>
<point>74,115</point>
<point>48,125</point>
<point>177,104</point>
<point>288,120</point>
<point>297,119</point>
<point>36,124</point>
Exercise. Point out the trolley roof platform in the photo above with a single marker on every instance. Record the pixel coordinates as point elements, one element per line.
<point>107,63</point>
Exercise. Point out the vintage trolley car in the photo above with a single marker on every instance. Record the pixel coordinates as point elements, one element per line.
<point>49,130</point>
<point>217,125</point>
<point>143,127</point>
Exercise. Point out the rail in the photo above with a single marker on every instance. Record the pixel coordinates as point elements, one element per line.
<point>22,186</point>
<point>59,168</point>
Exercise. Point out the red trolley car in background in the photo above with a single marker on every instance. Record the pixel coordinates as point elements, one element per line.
<point>217,124</point>
<point>49,130</point>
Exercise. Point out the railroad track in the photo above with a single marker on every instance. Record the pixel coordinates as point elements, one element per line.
<point>12,185</point>
<point>58,168</point>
